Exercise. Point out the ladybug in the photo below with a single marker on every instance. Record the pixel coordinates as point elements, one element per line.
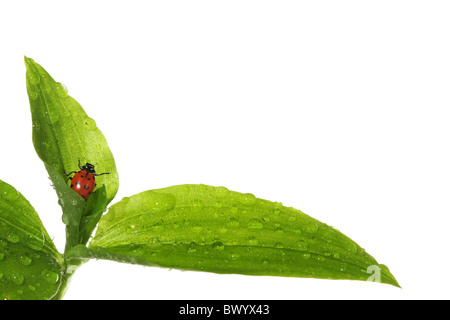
<point>83,182</point>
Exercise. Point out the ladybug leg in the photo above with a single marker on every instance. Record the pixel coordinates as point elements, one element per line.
<point>99,174</point>
<point>68,174</point>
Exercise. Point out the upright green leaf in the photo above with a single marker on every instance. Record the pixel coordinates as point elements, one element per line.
<point>63,133</point>
<point>198,227</point>
<point>30,265</point>
<point>93,211</point>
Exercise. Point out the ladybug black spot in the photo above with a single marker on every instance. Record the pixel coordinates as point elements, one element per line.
<point>82,176</point>
<point>71,185</point>
<point>86,187</point>
<point>90,192</point>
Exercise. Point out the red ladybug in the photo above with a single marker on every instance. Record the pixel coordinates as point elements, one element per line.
<point>83,182</point>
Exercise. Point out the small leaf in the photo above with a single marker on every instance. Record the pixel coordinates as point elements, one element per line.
<point>95,206</point>
<point>30,265</point>
<point>198,227</point>
<point>63,133</point>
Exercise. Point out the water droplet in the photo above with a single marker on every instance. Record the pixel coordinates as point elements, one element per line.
<point>303,245</point>
<point>336,255</point>
<point>255,224</point>
<point>35,244</point>
<point>136,249</point>
<point>197,205</point>
<point>31,288</point>
<point>352,248</point>
<point>253,241</point>
<point>311,227</point>
<point>89,123</point>
<point>130,228</point>
<point>247,199</point>
<point>278,245</point>
<point>61,90</point>
<point>321,258</point>
<point>235,256</point>
<point>278,205</point>
<point>26,261</point>
<point>9,193</point>
<point>192,247</point>
<point>221,192</point>
<point>233,223</point>
<point>306,256</point>
<point>17,279</point>
<point>50,276</point>
<point>12,237</point>
<point>160,202</point>
<point>218,245</point>
<point>33,94</point>
<point>33,78</point>
<point>344,267</point>
<point>265,261</point>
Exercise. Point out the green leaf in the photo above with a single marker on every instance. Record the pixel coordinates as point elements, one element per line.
<point>72,206</point>
<point>198,227</point>
<point>30,265</point>
<point>95,206</point>
<point>63,133</point>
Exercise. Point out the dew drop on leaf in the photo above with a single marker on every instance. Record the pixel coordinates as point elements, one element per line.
<point>32,94</point>
<point>34,243</point>
<point>247,199</point>
<point>221,192</point>
<point>26,261</point>
<point>9,193</point>
<point>61,90</point>
<point>255,224</point>
<point>33,78</point>
<point>218,245</point>
<point>12,237</point>
<point>50,276</point>
<point>253,241</point>
<point>306,256</point>
<point>303,245</point>
<point>17,278</point>
<point>192,247</point>
<point>89,123</point>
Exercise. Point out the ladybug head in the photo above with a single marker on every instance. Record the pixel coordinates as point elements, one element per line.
<point>89,168</point>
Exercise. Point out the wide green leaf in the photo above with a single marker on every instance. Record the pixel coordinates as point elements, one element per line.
<point>63,133</point>
<point>30,265</point>
<point>204,228</point>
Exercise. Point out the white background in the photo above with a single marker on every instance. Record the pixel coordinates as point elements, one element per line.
<point>337,108</point>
